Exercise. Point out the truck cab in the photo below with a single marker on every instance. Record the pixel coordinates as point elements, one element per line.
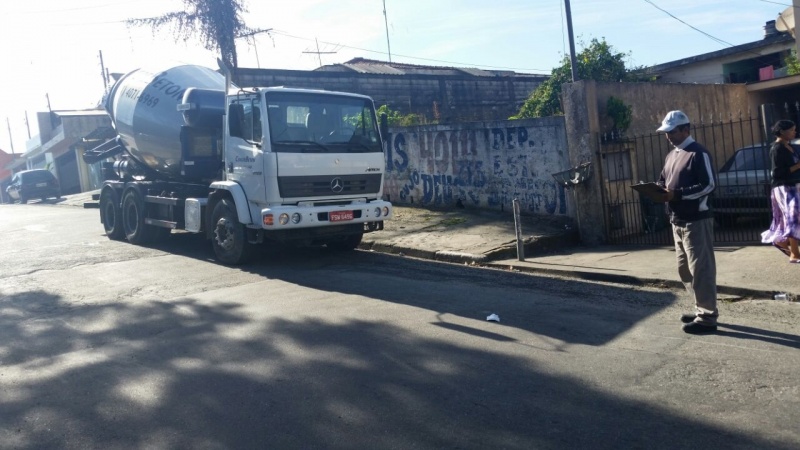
<point>301,166</point>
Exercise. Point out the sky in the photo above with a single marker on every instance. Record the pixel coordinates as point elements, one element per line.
<point>52,47</point>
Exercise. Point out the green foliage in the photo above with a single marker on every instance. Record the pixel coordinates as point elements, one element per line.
<point>619,112</point>
<point>597,61</point>
<point>217,22</point>
<point>396,119</point>
<point>792,64</point>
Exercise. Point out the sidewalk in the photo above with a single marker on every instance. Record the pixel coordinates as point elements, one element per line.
<point>487,238</point>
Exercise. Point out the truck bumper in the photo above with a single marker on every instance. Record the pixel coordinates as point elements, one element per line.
<point>295,217</point>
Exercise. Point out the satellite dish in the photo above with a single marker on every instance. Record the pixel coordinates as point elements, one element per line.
<point>785,20</point>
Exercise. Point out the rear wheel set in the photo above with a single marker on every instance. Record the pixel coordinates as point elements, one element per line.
<point>111,214</point>
<point>133,220</point>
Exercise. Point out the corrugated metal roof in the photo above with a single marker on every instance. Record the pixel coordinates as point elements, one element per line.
<point>362,65</point>
<point>373,68</point>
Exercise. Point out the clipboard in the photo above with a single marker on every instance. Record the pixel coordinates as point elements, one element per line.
<point>650,190</point>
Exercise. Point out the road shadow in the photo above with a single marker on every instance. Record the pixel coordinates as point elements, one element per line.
<point>570,310</point>
<point>200,373</point>
<point>759,334</point>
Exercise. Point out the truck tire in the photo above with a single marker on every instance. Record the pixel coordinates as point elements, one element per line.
<point>229,236</point>
<point>133,214</point>
<point>348,243</point>
<point>111,215</point>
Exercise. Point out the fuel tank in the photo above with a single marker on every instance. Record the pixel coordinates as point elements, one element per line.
<point>143,105</point>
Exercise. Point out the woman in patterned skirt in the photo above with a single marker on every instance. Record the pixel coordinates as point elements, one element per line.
<point>784,232</point>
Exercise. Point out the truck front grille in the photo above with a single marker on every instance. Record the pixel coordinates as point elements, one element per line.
<point>328,185</point>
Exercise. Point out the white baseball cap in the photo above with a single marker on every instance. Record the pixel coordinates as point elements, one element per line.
<point>672,120</point>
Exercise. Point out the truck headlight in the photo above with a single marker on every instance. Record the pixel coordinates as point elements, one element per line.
<point>385,210</point>
<point>296,218</point>
<point>378,211</point>
<point>283,219</point>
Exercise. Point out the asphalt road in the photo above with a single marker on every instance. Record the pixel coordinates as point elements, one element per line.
<point>108,345</point>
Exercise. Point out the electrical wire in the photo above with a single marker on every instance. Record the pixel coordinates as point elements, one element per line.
<point>720,41</point>
<point>282,33</point>
<point>716,39</point>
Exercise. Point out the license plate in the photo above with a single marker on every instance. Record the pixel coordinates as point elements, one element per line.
<point>41,184</point>
<point>339,216</point>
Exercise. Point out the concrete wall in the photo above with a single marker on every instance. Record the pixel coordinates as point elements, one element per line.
<point>586,121</point>
<point>481,165</point>
<point>446,98</point>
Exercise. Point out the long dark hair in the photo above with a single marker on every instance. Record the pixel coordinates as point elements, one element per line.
<point>781,126</point>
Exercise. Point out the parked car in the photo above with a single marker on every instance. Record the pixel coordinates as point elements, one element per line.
<point>743,185</point>
<point>30,184</point>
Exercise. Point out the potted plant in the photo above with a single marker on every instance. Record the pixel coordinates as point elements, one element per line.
<point>621,114</point>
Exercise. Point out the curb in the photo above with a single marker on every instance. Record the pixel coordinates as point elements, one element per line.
<point>737,293</point>
<point>731,293</point>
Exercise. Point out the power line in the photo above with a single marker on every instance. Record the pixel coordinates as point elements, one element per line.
<point>281,33</point>
<point>77,8</point>
<point>776,3</point>
<point>716,39</point>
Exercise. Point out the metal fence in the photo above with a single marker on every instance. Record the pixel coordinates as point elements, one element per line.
<point>739,149</point>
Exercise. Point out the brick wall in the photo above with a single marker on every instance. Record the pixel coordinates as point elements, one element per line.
<point>457,98</point>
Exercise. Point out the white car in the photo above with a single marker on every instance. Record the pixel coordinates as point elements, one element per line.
<point>743,185</point>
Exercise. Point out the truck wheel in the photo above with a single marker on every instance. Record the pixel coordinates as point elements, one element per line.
<point>111,215</point>
<point>133,215</point>
<point>348,243</point>
<point>230,236</point>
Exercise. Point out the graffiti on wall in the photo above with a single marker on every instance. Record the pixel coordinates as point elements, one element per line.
<point>480,167</point>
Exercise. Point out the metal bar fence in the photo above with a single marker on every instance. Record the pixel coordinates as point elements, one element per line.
<point>740,153</point>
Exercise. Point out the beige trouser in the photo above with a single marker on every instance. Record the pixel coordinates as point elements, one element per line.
<point>697,267</point>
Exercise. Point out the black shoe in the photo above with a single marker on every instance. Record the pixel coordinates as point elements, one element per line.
<point>698,328</point>
<point>687,318</point>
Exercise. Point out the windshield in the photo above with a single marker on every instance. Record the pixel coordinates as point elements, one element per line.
<point>320,123</point>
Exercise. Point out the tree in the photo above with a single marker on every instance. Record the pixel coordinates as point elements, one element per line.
<point>396,119</point>
<point>792,64</point>
<point>595,62</point>
<point>217,22</point>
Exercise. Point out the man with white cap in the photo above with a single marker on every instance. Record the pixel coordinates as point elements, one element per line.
<point>688,177</point>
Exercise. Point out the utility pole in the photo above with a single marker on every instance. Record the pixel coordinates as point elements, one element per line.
<point>50,110</point>
<point>103,72</point>
<point>386,23</point>
<point>27,124</point>
<point>10,140</point>
<point>572,59</point>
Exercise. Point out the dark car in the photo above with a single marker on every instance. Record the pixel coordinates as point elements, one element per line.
<point>743,185</point>
<point>30,184</point>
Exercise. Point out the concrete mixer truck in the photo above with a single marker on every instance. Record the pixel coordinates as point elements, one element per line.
<point>243,166</point>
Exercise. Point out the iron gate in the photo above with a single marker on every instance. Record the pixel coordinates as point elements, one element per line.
<point>739,150</point>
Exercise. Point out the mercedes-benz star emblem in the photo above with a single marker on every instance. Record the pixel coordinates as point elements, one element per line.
<point>336,185</point>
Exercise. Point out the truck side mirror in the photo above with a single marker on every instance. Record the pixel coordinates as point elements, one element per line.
<point>384,126</point>
<point>236,120</point>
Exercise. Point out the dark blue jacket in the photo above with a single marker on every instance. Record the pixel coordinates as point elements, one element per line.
<point>689,173</point>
